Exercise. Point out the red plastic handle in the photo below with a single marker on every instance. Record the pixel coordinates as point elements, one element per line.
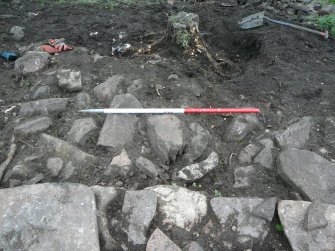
<point>221,110</point>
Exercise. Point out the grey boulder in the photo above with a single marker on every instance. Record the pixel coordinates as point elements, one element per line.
<point>159,241</point>
<point>82,100</point>
<point>196,171</point>
<point>265,156</point>
<point>48,217</point>
<point>31,62</point>
<point>200,139</point>
<point>55,166</point>
<point>139,208</point>
<point>308,172</point>
<point>147,166</point>
<point>119,130</point>
<point>17,32</point>
<point>179,206</point>
<point>69,80</point>
<point>33,126</point>
<point>296,135</point>
<point>241,126</point>
<point>106,91</point>
<point>81,131</point>
<point>240,212</point>
<point>292,216</point>
<point>44,106</point>
<point>248,153</point>
<point>330,131</point>
<point>166,136</point>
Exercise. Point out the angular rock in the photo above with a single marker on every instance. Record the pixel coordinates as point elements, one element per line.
<point>330,131</point>
<point>104,196</point>
<point>198,144</point>
<point>139,208</point>
<point>70,80</point>
<point>315,217</point>
<point>31,62</point>
<point>179,206</point>
<point>33,126</point>
<point>41,92</point>
<point>17,33</point>
<point>39,177</point>
<point>122,159</point>
<point>265,157</point>
<point>82,100</point>
<point>230,211</point>
<point>119,130</point>
<point>296,135</point>
<point>48,217</point>
<point>159,241</point>
<point>166,136</point>
<point>198,170</point>
<point>243,175</point>
<point>65,151</point>
<point>55,166</point>
<point>82,130</point>
<point>44,106</point>
<point>292,215</point>
<point>19,172</point>
<point>248,153</point>
<point>266,209</point>
<point>120,165</point>
<point>241,126</point>
<point>147,166</point>
<point>107,90</point>
<point>193,246</point>
<point>308,172</point>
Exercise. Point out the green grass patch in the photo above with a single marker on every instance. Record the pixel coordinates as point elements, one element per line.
<point>328,2</point>
<point>183,39</point>
<point>326,23</point>
<point>279,228</point>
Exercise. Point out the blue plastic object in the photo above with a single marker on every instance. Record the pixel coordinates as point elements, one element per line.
<point>8,55</point>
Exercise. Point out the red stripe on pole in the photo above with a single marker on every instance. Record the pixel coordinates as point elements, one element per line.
<point>221,110</point>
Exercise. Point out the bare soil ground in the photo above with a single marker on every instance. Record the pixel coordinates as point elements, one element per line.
<point>287,74</point>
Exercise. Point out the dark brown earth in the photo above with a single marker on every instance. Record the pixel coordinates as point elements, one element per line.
<point>287,74</point>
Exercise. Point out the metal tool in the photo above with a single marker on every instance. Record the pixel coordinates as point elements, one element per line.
<point>257,20</point>
<point>172,110</point>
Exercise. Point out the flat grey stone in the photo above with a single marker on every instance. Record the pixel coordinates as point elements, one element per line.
<point>241,126</point>
<point>159,241</point>
<point>121,164</point>
<point>65,151</point>
<point>230,211</point>
<point>119,130</point>
<point>330,131</point>
<point>107,90</point>
<point>147,166</point>
<point>308,172</point>
<point>48,217</point>
<point>41,92</point>
<point>265,209</point>
<point>17,32</point>
<point>243,176</point>
<point>33,126</point>
<point>82,100</point>
<point>121,160</point>
<point>55,166</point>
<point>193,246</point>
<point>139,208</point>
<point>248,153</point>
<point>265,156</point>
<point>69,80</point>
<point>179,206</point>
<point>166,136</point>
<point>292,215</point>
<point>19,172</point>
<point>31,62</point>
<point>104,196</point>
<point>38,177</point>
<point>198,144</point>
<point>82,130</point>
<point>296,135</point>
<point>315,217</point>
<point>44,106</point>
<point>199,170</point>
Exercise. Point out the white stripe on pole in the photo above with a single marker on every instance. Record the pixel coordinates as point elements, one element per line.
<point>144,110</point>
